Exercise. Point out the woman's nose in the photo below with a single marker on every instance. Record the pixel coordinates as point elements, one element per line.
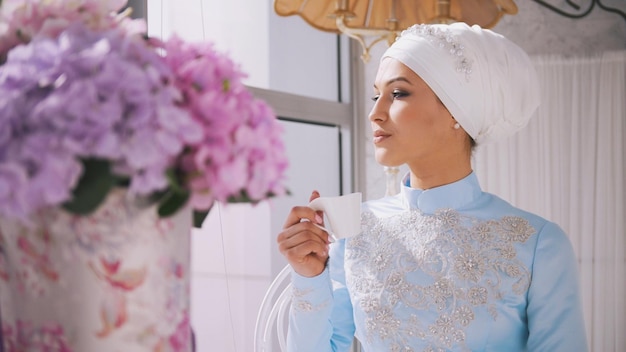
<point>377,113</point>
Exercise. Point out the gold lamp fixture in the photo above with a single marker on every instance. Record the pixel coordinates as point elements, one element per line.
<point>378,20</point>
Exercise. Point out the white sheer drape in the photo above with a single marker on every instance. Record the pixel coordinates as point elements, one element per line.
<point>569,165</point>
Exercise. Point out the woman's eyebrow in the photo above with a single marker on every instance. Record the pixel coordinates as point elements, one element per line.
<point>395,79</point>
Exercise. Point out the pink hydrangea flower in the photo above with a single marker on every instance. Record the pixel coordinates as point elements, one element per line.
<point>241,156</point>
<point>79,82</point>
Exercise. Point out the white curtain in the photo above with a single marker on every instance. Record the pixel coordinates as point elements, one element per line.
<point>568,165</point>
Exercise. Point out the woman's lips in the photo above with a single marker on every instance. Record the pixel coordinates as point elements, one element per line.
<point>380,136</point>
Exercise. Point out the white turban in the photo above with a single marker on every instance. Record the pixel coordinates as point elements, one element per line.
<point>486,81</point>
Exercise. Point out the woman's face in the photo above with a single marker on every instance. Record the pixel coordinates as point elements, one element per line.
<point>409,123</point>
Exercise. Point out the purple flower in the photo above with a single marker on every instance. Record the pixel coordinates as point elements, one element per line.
<point>81,83</point>
<point>22,20</point>
<point>87,94</point>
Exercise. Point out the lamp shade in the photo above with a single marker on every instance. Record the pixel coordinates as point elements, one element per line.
<point>395,14</point>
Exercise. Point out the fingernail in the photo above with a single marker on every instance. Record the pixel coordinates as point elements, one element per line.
<point>318,218</point>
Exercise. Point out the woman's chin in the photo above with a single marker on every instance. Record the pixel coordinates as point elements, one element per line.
<point>384,160</point>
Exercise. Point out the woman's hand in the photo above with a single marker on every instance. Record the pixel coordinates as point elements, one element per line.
<point>303,244</point>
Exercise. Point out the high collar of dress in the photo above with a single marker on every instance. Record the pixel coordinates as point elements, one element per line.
<point>451,196</point>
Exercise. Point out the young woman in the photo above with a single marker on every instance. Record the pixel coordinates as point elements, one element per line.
<point>442,266</point>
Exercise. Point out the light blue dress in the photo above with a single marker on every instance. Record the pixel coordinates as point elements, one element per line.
<point>447,269</point>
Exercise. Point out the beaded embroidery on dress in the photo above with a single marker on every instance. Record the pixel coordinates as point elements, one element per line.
<point>442,267</point>
<point>301,304</point>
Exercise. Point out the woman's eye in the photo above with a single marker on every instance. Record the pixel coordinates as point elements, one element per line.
<point>399,94</point>
<point>395,94</point>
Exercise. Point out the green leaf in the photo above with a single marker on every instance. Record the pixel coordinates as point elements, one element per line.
<point>198,217</point>
<point>242,197</point>
<point>172,202</point>
<point>173,181</point>
<point>93,187</point>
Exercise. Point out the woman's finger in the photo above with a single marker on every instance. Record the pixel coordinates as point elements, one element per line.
<point>302,227</point>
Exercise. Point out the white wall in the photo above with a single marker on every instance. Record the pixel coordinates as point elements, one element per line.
<point>278,53</point>
<point>541,31</point>
<point>230,274</point>
<point>244,35</point>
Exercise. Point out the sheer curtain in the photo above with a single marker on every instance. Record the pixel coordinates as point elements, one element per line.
<point>568,165</point>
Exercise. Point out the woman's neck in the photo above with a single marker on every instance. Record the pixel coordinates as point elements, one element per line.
<point>431,176</point>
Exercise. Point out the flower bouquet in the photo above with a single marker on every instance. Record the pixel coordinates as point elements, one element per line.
<point>102,126</point>
<point>88,102</point>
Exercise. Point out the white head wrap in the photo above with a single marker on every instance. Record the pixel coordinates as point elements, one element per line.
<point>486,81</point>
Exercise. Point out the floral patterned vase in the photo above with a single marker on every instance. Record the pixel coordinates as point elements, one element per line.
<point>116,280</point>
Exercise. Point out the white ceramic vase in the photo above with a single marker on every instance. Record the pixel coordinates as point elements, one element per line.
<point>116,280</point>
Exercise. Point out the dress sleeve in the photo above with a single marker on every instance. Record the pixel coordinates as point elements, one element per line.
<point>320,319</point>
<point>555,317</point>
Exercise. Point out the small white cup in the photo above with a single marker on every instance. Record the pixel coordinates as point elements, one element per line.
<point>343,214</point>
